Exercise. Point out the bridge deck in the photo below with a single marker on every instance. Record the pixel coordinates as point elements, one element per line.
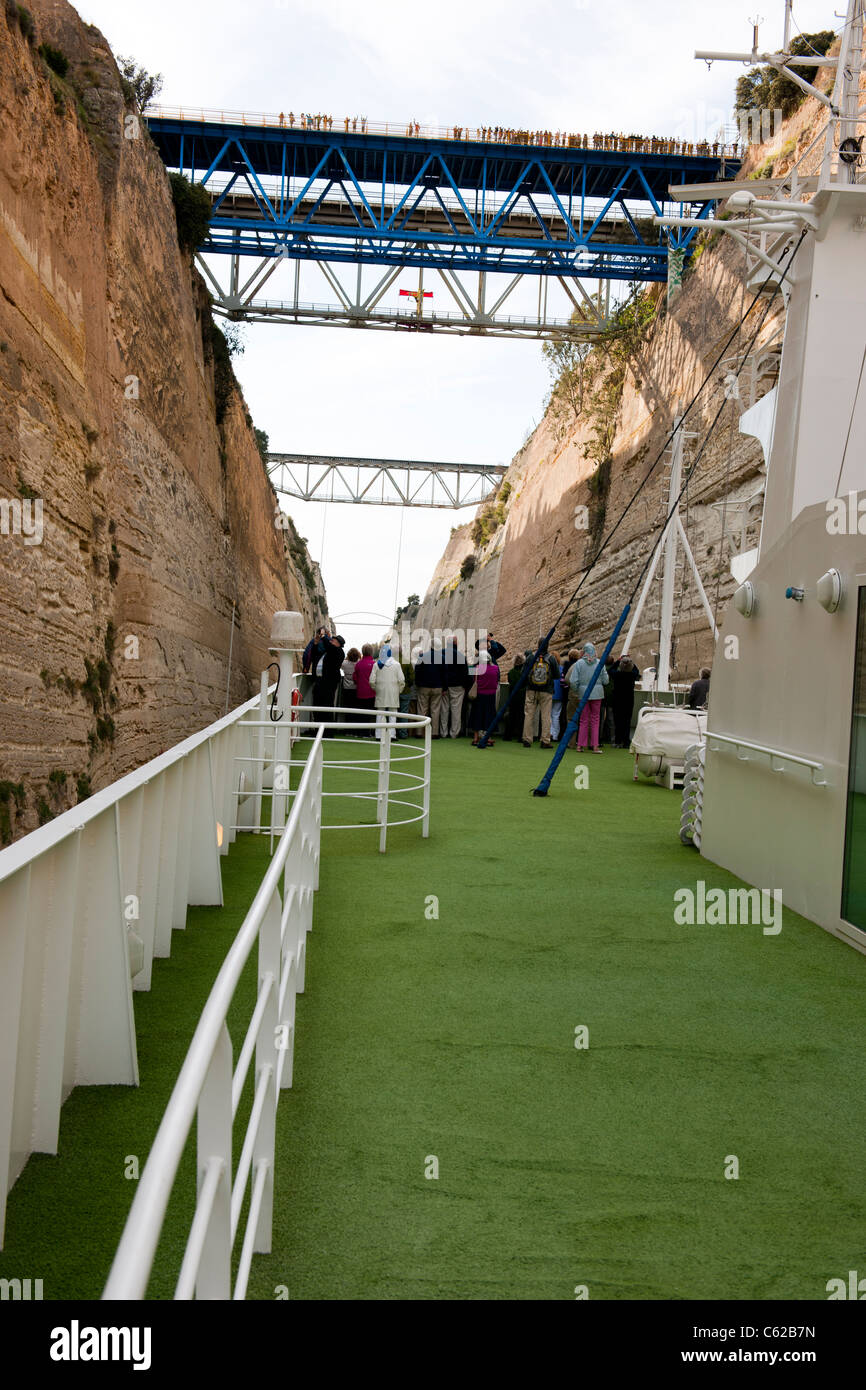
<point>498,206</point>
<point>274,150</point>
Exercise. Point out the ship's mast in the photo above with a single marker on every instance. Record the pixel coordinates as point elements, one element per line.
<point>808,235</point>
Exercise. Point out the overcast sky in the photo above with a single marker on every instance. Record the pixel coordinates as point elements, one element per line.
<point>557,64</point>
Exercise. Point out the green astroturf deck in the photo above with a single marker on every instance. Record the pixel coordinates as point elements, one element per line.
<point>452,1037</point>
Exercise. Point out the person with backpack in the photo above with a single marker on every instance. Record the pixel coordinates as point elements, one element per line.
<point>543,674</point>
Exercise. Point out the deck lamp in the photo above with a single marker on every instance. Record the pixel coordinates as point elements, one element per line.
<point>745,598</point>
<point>828,590</point>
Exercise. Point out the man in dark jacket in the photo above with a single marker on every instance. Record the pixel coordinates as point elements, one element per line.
<point>455,682</point>
<point>516,709</point>
<point>313,650</point>
<point>327,678</point>
<point>624,678</point>
<point>699,693</point>
<point>429,673</point>
<point>492,647</point>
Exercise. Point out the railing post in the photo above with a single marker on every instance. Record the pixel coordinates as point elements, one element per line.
<point>384,782</point>
<point>428,744</point>
<point>266,1060</point>
<point>214,1143</point>
<point>260,749</point>
<point>317,812</point>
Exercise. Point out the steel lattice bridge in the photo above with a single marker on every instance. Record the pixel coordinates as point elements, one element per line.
<point>383,482</point>
<point>482,215</point>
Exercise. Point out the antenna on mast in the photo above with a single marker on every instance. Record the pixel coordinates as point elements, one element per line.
<point>758,20</point>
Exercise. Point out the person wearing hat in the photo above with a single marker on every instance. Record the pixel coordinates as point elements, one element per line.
<point>581,676</point>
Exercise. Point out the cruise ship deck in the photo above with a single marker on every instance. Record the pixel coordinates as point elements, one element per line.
<point>447,986</point>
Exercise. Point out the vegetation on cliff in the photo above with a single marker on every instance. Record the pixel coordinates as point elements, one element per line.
<point>192,209</point>
<point>139,86</point>
<point>766,89</point>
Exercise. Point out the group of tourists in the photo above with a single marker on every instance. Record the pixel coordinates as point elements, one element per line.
<point>626,144</point>
<point>360,683</point>
<point>308,122</point>
<point>509,135</point>
<point>460,693</point>
<point>554,688</point>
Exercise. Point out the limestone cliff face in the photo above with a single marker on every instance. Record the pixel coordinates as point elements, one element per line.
<point>527,569</point>
<point>157,516</point>
<point>563,498</point>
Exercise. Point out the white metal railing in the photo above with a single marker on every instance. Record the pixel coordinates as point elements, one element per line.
<point>285,306</point>
<point>90,899</point>
<point>271,763</point>
<point>774,755</point>
<point>86,902</point>
<point>208,1088</point>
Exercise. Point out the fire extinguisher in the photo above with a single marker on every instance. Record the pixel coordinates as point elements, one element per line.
<point>296,700</point>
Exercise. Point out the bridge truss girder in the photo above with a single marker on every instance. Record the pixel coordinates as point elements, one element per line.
<point>430,205</point>
<point>391,482</point>
<point>478,309</point>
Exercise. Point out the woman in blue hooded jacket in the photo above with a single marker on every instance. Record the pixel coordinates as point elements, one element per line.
<point>580,676</point>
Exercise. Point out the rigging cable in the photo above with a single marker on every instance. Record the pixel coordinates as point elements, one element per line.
<point>730,448</point>
<point>544,642</point>
<point>851,420</point>
<point>542,788</point>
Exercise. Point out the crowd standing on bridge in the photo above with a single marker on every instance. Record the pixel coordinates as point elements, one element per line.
<point>306,121</point>
<point>510,135</point>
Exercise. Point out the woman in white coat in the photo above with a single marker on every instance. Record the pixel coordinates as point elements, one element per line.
<point>387,679</point>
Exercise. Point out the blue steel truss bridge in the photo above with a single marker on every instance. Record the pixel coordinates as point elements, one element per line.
<point>478,216</point>
<point>383,482</point>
